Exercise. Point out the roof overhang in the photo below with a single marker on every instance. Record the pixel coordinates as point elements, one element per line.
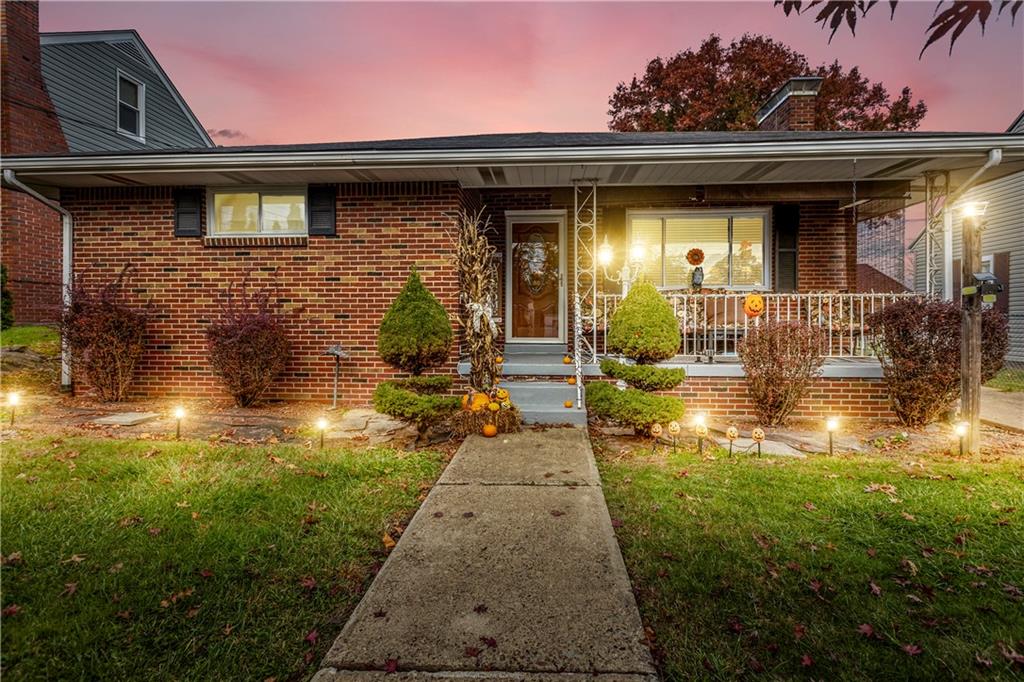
<point>796,161</point>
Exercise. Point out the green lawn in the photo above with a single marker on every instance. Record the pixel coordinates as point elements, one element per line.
<point>747,566</point>
<point>1008,379</point>
<point>41,339</point>
<point>157,560</point>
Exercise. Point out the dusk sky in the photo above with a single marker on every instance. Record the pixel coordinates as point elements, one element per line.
<point>279,72</point>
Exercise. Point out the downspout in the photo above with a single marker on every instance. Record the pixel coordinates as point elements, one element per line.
<point>995,157</point>
<point>11,180</point>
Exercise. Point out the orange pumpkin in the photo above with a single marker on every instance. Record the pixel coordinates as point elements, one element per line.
<point>568,403</point>
<point>480,401</point>
<point>465,401</point>
<point>567,360</point>
<point>490,430</point>
<point>571,381</point>
<point>499,359</point>
<point>753,305</point>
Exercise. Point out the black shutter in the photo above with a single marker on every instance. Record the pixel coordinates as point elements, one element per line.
<point>187,205</point>
<point>787,231</point>
<point>322,209</point>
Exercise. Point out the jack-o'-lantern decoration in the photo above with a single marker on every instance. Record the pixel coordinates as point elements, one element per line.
<point>732,433</point>
<point>753,305</point>
<point>656,429</point>
<point>493,407</point>
<point>674,429</point>
<point>757,434</point>
<point>501,394</point>
<point>490,430</point>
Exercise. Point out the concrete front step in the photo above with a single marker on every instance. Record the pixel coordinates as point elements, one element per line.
<point>543,402</point>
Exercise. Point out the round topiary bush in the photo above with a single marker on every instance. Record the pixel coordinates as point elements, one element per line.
<point>415,333</point>
<point>643,327</point>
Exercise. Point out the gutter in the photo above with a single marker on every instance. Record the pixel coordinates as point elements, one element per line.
<point>995,157</point>
<point>67,223</point>
<point>843,149</point>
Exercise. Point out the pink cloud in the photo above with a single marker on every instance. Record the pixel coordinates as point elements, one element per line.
<point>297,72</point>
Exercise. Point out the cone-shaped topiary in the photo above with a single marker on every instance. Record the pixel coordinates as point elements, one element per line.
<point>643,327</point>
<point>415,333</point>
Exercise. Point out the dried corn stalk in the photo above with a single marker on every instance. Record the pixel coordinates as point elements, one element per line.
<point>478,296</point>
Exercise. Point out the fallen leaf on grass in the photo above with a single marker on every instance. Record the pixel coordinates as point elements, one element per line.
<point>192,612</point>
<point>227,629</point>
<point>982,662</point>
<point>12,559</point>
<point>116,568</point>
<point>10,610</point>
<point>866,629</point>
<point>1010,654</point>
<point>312,636</point>
<point>908,517</point>
<point>75,558</point>
<point>806,661</point>
<point>872,552</point>
<point>912,649</point>
<point>809,506</point>
<point>124,615</point>
<point>908,566</point>
<point>799,630</point>
<point>616,523</point>
<point>308,583</point>
<point>129,521</point>
<point>155,531</point>
<point>875,589</point>
<point>1013,592</point>
<point>389,542</point>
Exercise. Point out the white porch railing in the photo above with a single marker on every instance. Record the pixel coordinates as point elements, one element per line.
<point>716,322</point>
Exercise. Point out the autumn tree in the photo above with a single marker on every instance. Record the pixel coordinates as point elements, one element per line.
<point>952,15</point>
<point>720,86</point>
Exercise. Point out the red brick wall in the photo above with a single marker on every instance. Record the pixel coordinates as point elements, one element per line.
<point>727,397</point>
<point>31,246</point>
<point>794,113</point>
<point>338,287</point>
<point>30,233</point>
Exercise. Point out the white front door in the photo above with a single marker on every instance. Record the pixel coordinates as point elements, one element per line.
<point>535,298</point>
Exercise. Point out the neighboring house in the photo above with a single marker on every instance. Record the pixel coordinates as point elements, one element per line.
<point>336,227</point>
<point>99,91</point>
<point>1002,247</point>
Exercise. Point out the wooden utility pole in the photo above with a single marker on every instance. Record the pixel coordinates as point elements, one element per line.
<point>970,335</point>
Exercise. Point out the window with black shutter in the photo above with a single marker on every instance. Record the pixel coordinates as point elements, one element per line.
<point>187,206</point>
<point>322,210</point>
<point>787,231</point>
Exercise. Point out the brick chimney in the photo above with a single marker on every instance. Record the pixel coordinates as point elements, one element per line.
<point>791,107</point>
<point>30,122</point>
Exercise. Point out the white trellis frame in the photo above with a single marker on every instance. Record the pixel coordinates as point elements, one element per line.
<point>584,292</point>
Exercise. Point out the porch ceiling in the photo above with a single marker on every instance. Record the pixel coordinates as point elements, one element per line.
<point>813,160</point>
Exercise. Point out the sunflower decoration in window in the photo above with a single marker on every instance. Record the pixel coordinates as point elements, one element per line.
<point>695,257</point>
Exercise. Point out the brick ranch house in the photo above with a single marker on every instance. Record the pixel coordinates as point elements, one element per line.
<point>337,227</point>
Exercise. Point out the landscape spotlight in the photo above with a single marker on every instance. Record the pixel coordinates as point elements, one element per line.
<point>179,414</point>
<point>13,399</point>
<point>961,430</point>
<point>831,425</point>
<point>700,428</point>
<point>321,426</point>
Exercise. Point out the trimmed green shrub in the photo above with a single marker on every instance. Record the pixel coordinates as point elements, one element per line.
<point>421,409</point>
<point>421,384</point>
<point>6,301</point>
<point>632,407</point>
<point>643,327</point>
<point>415,333</point>
<point>644,377</point>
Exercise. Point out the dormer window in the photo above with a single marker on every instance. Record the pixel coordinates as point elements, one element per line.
<point>131,107</point>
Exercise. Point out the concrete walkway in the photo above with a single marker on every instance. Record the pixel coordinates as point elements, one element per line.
<point>509,571</point>
<point>1002,409</point>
